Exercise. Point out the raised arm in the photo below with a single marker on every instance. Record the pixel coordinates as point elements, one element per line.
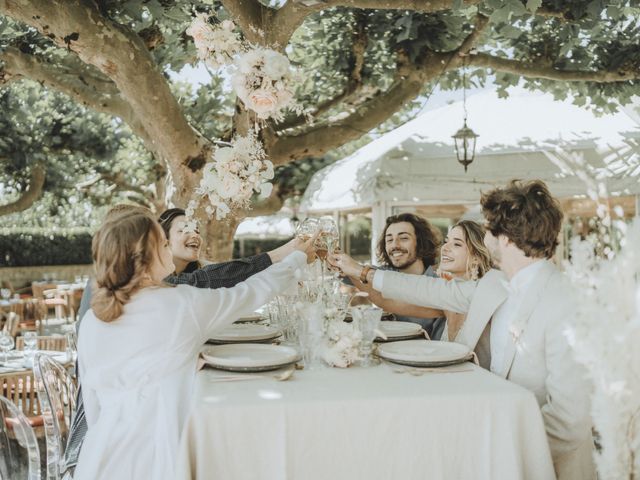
<point>396,306</point>
<point>413,289</point>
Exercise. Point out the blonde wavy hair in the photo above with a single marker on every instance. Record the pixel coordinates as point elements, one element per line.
<point>124,250</point>
<point>479,259</point>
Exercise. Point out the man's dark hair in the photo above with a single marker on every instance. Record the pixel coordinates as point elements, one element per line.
<point>527,214</point>
<point>427,239</point>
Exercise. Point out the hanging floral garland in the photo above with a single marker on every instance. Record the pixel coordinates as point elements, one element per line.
<point>216,45</point>
<point>232,177</point>
<point>262,78</point>
<point>265,82</point>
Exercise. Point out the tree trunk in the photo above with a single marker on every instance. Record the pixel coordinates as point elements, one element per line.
<point>219,238</point>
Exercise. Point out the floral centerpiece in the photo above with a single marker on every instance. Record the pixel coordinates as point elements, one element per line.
<point>341,345</point>
<point>231,178</point>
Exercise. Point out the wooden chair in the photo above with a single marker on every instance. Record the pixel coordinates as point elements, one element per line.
<point>35,313</point>
<point>48,292</point>
<point>20,389</point>
<point>47,342</point>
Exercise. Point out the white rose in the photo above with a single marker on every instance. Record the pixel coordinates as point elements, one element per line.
<point>199,28</point>
<point>265,190</point>
<point>229,186</point>
<point>262,102</point>
<point>223,155</point>
<point>276,65</point>
<point>222,209</point>
<point>268,172</point>
<point>228,25</point>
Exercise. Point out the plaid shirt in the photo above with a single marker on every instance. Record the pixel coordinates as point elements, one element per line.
<point>215,275</point>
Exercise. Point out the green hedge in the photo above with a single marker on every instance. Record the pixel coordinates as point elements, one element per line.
<point>32,249</point>
<point>20,249</point>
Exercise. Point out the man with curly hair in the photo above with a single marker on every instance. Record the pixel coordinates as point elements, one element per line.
<point>521,311</point>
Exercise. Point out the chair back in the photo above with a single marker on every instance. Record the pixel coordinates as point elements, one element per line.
<point>11,323</point>
<point>57,395</point>
<point>38,288</point>
<point>20,459</point>
<point>47,342</point>
<point>20,388</point>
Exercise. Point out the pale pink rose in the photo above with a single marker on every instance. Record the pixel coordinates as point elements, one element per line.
<point>199,29</point>
<point>229,186</point>
<point>262,102</point>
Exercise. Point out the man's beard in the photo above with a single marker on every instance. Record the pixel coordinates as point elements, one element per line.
<point>411,259</point>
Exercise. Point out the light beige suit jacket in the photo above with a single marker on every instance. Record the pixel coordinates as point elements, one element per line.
<point>538,356</point>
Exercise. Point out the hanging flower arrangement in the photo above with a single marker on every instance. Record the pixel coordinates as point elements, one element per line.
<point>264,81</point>
<point>232,177</point>
<point>216,45</point>
<point>262,78</point>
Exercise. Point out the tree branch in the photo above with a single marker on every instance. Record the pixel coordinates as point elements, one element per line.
<point>267,206</point>
<point>249,15</point>
<point>321,138</point>
<point>547,71</point>
<point>30,195</point>
<point>98,94</point>
<point>280,24</point>
<point>121,55</point>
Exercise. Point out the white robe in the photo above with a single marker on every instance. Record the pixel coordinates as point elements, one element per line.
<point>137,372</point>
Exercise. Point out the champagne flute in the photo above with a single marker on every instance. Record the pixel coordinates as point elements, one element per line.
<point>307,228</point>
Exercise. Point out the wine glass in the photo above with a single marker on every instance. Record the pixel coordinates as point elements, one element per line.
<point>6,343</point>
<point>5,293</point>
<point>368,321</point>
<point>307,228</point>
<point>30,343</point>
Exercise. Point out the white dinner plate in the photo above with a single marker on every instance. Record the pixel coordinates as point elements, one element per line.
<point>249,357</point>
<point>427,353</point>
<point>396,330</point>
<point>245,332</point>
<point>254,317</point>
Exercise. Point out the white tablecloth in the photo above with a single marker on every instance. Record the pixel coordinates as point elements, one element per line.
<point>364,423</point>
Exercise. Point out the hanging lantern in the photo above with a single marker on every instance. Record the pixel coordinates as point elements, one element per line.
<point>465,142</point>
<point>465,138</point>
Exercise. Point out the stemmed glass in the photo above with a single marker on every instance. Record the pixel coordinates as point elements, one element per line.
<point>6,343</point>
<point>5,293</point>
<point>307,228</point>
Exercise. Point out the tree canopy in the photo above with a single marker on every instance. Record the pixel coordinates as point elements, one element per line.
<point>362,63</point>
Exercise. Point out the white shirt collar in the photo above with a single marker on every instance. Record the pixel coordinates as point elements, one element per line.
<point>525,276</point>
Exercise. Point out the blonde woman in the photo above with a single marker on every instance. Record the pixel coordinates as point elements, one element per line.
<point>463,256</point>
<point>138,346</point>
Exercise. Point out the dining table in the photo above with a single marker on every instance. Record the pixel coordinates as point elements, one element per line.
<point>386,421</point>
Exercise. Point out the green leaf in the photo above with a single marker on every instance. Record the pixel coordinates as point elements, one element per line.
<point>533,5</point>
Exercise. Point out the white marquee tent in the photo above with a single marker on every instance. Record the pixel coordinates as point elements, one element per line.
<point>415,164</point>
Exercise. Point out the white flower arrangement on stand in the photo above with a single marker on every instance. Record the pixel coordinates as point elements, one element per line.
<point>605,269</point>
<point>232,177</point>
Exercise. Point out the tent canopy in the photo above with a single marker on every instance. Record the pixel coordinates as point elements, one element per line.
<point>518,136</point>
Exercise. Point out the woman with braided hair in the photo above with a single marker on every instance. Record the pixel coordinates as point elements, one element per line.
<point>138,345</point>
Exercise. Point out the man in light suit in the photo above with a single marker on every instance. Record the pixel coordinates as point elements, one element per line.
<point>521,311</point>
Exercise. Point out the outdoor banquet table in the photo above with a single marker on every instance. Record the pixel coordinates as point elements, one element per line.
<point>364,423</point>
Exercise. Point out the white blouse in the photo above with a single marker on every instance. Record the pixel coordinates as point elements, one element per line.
<point>137,372</point>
